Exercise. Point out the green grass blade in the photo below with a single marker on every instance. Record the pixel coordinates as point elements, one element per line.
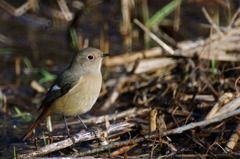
<point>162,13</point>
<point>74,37</point>
<point>19,113</point>
<point>47,76</point>
<point>27,63</point>
<point>14,152</point>
<point>213,66</point>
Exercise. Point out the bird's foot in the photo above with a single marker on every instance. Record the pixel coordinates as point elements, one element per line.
<point>93,131</point>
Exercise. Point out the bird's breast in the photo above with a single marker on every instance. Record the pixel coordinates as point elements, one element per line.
<point>80,98</point>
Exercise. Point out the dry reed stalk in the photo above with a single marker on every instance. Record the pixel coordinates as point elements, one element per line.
<point>130,113</point>
<point>154,37</point>
<point>153,121</point>
<point>233,140</point>
<point>126,27</point>
<point>155,135</point>
<point>37,87</point>
<point>222,49</point>
<point>225,98</point>
<point>3,102</point>
<point>122,150</point>
<point>78,137</point>
<point>65,10</point>
<point>115,92</point>
<point>104,42</point>
<point>20,10</point>
<point>129,58</point>
<point>18,66</point>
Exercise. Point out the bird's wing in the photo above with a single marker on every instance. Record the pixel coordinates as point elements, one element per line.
<point>61,86</point>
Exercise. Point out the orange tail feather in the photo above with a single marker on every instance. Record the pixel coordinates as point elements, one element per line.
<point>34,125</point>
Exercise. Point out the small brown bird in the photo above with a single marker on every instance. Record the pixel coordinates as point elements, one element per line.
<point>75,90</point>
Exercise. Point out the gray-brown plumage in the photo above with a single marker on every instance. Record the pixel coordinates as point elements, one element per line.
<point>75,90</point>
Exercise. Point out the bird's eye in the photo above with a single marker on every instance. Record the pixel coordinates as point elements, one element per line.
<point>90,57</point>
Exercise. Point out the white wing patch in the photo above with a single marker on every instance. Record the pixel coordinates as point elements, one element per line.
<point>55,88</point>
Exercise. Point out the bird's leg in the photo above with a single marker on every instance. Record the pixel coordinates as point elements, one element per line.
<point>68,132</point>
<point>86,128</point>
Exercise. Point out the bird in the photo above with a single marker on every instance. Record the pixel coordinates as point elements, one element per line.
<point>75,90</point>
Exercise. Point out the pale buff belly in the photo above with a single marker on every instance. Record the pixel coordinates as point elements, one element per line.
<point>80,98</point>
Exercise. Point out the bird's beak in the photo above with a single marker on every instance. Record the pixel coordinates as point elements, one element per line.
<point>105,54</point>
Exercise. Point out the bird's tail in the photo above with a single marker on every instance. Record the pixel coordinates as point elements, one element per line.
<point>34,125</point>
